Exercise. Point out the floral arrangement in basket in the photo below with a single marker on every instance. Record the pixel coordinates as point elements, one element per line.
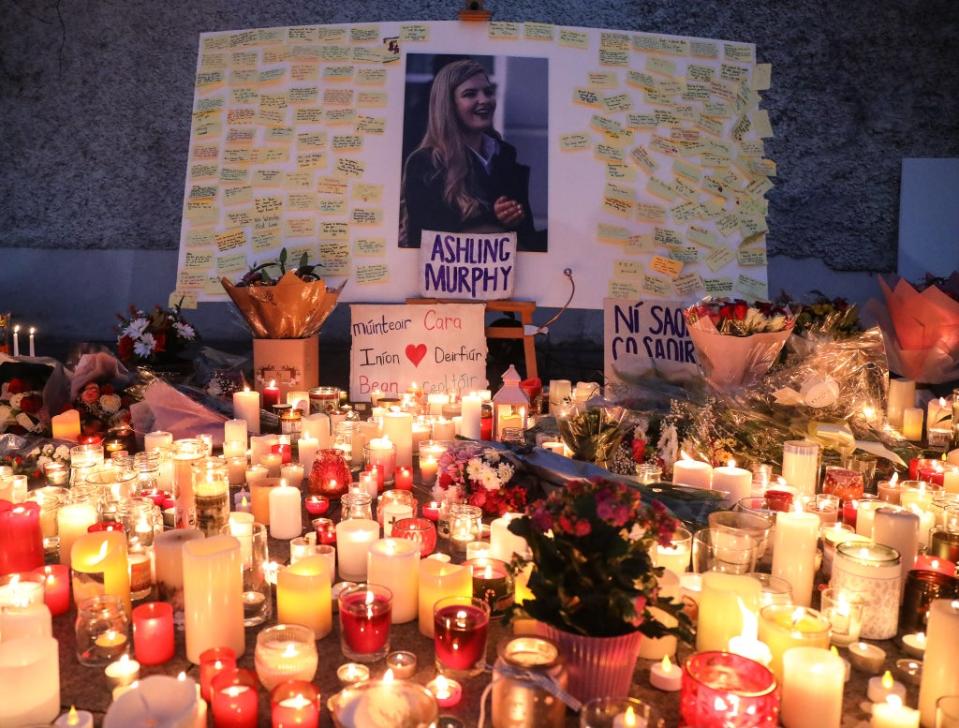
<point>591,570</point>
<point>481,476</point>
<point>147,338</point>
<point>19,407</point>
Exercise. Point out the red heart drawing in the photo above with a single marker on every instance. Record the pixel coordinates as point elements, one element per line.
<point>415,353</point>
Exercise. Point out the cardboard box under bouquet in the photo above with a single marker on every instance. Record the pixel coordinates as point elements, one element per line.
<point>294,364</point>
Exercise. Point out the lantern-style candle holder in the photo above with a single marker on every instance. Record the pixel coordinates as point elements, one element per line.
<point>872,570</point>
<point>465,526</point>
<point>356,504</point>
<point>419,530</point>
<point>921,588</point>
<point>724,690</point>
<point>843,483</point>
<point>393,505</point>
<point>211,489</point>
<point>510,405</point>
<point>325,400</point>
<point>330,475</point>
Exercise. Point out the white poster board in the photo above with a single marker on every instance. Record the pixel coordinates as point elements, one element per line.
<point>640,337</point>
<point>442,348</point>
<point>641,156</point>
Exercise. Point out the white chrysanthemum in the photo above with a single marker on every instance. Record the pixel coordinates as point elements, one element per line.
<point>62,452</point>
<point>504,471</point>
<point>136,328</point>
<point>15,400</point>
<point>185,331</point>
<point>492,455</point>
<point>143,346</point>
<point>777,323</point>
<point>48,449</point>
<point>474,468</point>
<point>110,403</point>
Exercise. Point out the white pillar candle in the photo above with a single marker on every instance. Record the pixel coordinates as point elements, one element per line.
<point>292,474</point>
<point>73,520</point>
<point>801,465</point>
<point>813,681</point>
<point>299,400</point>
<point>241,528</point>
<point>940,671</point>
<point>168,557</point>
<point>246,406</point>
<point>398,427</point>
<point>723,601</point>
<point>436,400</point>
<point>30,676</point>
<point>866,516</point>
<point>912,424</point>
<point>234,448</point>
<point>503,543</point>
<point>157,439</point>
<point>899,529</point>
<point>927,520</point>
<point>317,426</point>
<point>273,462</point>
<point>236,470</point>
<point>392,512</point>
<point>304,596</point>
<point>439,579</point>
<point>17,593</point>
<point>902,394</point>
<point>212,593</point>
<point>950,480</point>
<point>443,429</point>
<point>28,620</point>
<point>256,474</point>
<point>693,472</point>
<point>286,520</point>
<point>893,714</point>
<point>261,446</point>
<point>307,446</point>
<point>472,413</point>
<point>737,482</point>
<point>235,431</point>
<point>395,564</point>
<point>794,553</point>
<point>353,540</point>
<point>381,453</point>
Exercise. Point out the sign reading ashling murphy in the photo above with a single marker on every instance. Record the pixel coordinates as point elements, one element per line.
<point>473,266</point>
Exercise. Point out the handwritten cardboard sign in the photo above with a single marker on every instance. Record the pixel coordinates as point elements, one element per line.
<point>441,347</point>
<point>474,266</point>
<point>640,336</point>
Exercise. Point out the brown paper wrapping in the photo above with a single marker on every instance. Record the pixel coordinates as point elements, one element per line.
<point>292,309</point>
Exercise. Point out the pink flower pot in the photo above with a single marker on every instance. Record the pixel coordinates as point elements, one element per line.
<point>598,666</point>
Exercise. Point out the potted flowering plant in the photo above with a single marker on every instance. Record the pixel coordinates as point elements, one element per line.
<point>470,473</point>
<point>157,336</point>
<point>593,581</point>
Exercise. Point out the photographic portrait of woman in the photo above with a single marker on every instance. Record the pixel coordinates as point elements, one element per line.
<point>463,177</point>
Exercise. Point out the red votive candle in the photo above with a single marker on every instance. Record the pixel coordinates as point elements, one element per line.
<point>719,688</point>
<point>235,701</point>
<point>431,510</point>
<point>295,704</point>
<point>446,691</point>
<point>418,530</point>
<point>285,451</point>
<point>271,396</point>
<point>850,510</point>
<point>213,662</point>
<point>460,631</point>
<point>153,633</point>
<point>105,526</point>
<point>925,562</point>
<point>403,479</point>
<point>325,530</point>
<point>317,505</point>
<point>56,587</point>
<point>156,495</point>
<point>365,612</point>
<point>21,540</point>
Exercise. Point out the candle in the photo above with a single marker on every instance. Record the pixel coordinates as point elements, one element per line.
<point>382,453</point>
<point>675,555</point>
<point>893,714</point>
<point>56,585</point>
<point>292,474</point>
<point>325,530</point>
<point>722,689</point>
<point>914,644</point>
<point>402,663</point>
<point>365,622</point>
<point>394,563</point>
<point>295,704</point>
<point>428,466</point>
<point>898,529</point>
<point>122,672</point>
<point>307,447</point>
<point>99,564</point>
<point>950,480</point>
<point>737,482</point>
<point>801,465</point>
<point>271,395</point>
<point>260,446</point>
<point>924,562</point>
<point>285,652</point>
<point>156,440</point>
<point>153,642</point>
<point>286,520</point>
<point>21,538</point>
<point>352,672</point>
<point>881,688</point>
<point>30,675</point>
<point>403,478</point>
<point>503,542</point>
<point>273,462</point>
<point>649,648</point>
<point>22,619</point>
<point>866,516</point>
<point>794,552</point>
<point>437,580</point>
<point>316,505</point>
<point>75,719</point>
<point>16,340</point>
<point>256,474</point>
<point>369,481</point>
<point>902,394</point>
<point>492,584</point>
<point>354,538</point>
<point>784,627</point>
<point>168,556</point>
<point>472,413</point>
<point>812,688</point>
<point>889,489</point>
<point>299,400</point>
<point>665,676</point>
<point>444,429</point>
<point>213,662</point>
<point>303,595</point>
<point>912,424</point>
<point>872,570</point>
<point>866,657</point>
<point>724,600</point>
<point>436,400</point>
<point>66,425</point>
<point>260,499</point>
<point>234,698</point>
<point>212,587</point>
<point>398,428</point>
<point>844,611</point>
<point>691,472</point>
<point>940,674</point>
<point>317,427</point>
<point>431,510</point>
<point>73,520</point>
<point>446,691</point>
<point>158,700</point>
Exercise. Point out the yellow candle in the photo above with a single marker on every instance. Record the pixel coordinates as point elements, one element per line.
<point>912,424</point>
<point>722,602</point>
<point>784,626</point>
<point>438,580</point>
<point>73,520</point>
<point>66,426</point>
<point>521,592</point>
<point>260,498</point>
<point>303,595</point>
<point>99,564</point>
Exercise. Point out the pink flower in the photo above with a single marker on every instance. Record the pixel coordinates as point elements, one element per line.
<point>639,606</point>
<point>90,394</point>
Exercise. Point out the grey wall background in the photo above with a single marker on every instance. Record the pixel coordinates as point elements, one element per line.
<point>95,101</point>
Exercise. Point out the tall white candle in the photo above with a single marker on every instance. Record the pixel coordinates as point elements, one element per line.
<point>236,431</point>
<point>472,413</point>
<point>307,446</point>
<point>286,520</point>
<point>504,543</point>
<point>398,427</point>
<point>246,406</point>
<point>30,675</point>
<point>694,473</point>
<point>902,394</point>
<point>899,529</point>
<point>940,671</point>
<point>318,426</point>
<point>436,400</point>
<point>28,620</point>
<point>794,553</point>
<point>395,564</point>
<point>33,351</point>
<point>212,593</point>
<point>353,540</point>
<point>813,681</point>
<point>16,340</point>
<point>801,465</point>
<point>737,482</point>
<point>168,558</point>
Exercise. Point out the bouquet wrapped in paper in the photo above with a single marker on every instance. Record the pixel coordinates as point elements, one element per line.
<point>921,329</point>
<point>736,343</point>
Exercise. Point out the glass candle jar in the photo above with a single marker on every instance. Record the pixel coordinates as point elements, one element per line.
<point>356,504</point>
<point>460,633</point>
<point>843,483</point>
<point>921,588</point>
<point>466,525</point>
<point>519,700</point>
<point>330,475</point>
<point>393,505</point>
<point>419,530</point>
<point>325,399</point>
<point>185,453</point>
<point>211,489</point>
<point>783,627</point>
<point>147,467</point>
<point>102,630</point>
<point>234,699</point>
<point>365,615</point>
<point>381,452</point>
<point>285,652</point>
<point>84,459</point>
<point>871,570</point>
<point>844,612</point>
<point>724,690</point>
<point>295,704</point>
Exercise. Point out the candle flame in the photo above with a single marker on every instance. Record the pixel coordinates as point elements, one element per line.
<point>290,650</point>
<point>33,331</point>
<point>780,480</point>
<point>893,701</point>
<point>894,479</point>
<point>442,687</point>
<point>797,615</point>
<point>731,463</point>
<point>887,681</point>
<point>934,564</point>
<point>667,664</point>
<point>630,718</point>
<point>272,384</point>
<point>388,675</point>
<point>16,329</point>
<point>719,705</point>
<point>683,455</point>
<point>942,400</point>
<point>182,676</point>
<point>833,650</point>
<point>244,501</point>
<point>370,598</point>
<point>72,717</point>
<point>921,638</point>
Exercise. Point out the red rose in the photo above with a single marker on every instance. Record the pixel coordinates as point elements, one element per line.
<point>16,386</point>
<point>739,310</point>
<point>106,389</point>
<point>90,394</point>
<point>159,339</point>
<point>31,403</point>
<point>125,347</point>
<point>639,450</point>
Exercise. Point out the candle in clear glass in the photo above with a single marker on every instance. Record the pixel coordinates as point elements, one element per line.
<point>492,583</point>
<point>153,642</point>
<point>212,595</point>
<point>844,611</point>
<point>365,622</point>
<point>874,571</point>
<point>211,493</point>
<point>724,604</point>
<point>285,652</point>
<point>214,661</point>
<point>353,538</point>
<point>783,627</point>
<point>460,632</point>
<point>303,595</point>
<point>234,699</point>
<point>295,704</point>
<point>185,454</point>
<point>101,630</point>
<point>466,525</point>
<point>325,530</point>
<point>675,556</point>
<point>392,506</point>
<point>394,563</point>
<point>381,452</point>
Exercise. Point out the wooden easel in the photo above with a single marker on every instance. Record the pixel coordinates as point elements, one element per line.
<point>525,310</point>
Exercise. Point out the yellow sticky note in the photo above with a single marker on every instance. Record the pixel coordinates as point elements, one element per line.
<point>300,227</point>
<point>364,34</point>
<point>586,97</point>
<point>301,201</point>
<point>183,299</point>
<point>751,257</point>
<point>688,285</point>
<point>623,289</point>
<point>334,256</point>
<point>372,274</point>
<point>504,31</point>
<point>538,31</point>
<point>667,236</point>
<point>347,143</point>
<point>311,160</point>
<point>569,38</point>
<point>718,286</point>
<point>304,72</point>
<point>639,244</point>
<point>574,142</point>
<point>627,269</point>
<point>701,236</point>
<point>199,260</point>
<point>238,195</point>
<point>371,124</point>
<point>367,192</point>
<point>350,167</point>
<point>331,205</point>
<point>666,266</point>
<point>371,99</point>
<point>760,122</point>
<point>366,216</point>
<point>371,76</point>
<point>752,288</point>
<point>308,115</point>
<point>340,117</point>
<point>620,172</point>
<point>660,188</point>
<point>369,247</point>
<point>338,96</point>
<point>719,258</point>
<point>661,66</point>
<point>618,206</point>
<point>619,103</point>
<point>331,186</point>
<point>603,79</point>
<point>334,231</point>
<point>656,285</point>
<point>613,58</point>
<point>414,33</point>
<point>646,212</point>
<point>299,180</point>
